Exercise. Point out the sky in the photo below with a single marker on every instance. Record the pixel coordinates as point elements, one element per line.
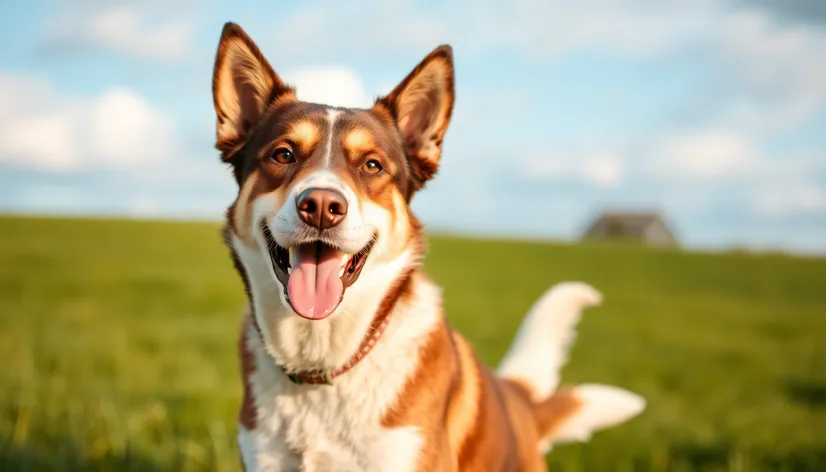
<point>711,112</point>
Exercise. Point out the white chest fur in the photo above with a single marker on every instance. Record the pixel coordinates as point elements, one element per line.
<point>339,427</point>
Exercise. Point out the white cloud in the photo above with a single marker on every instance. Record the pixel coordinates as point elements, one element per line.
<point>790,186</point>
<point>801,198</point>
<point>728,163</point>
<point>335,29</point>
<point>330,85</point>
<point>771,72</point>
<point>537,28</point>
<point>40,140</point>
<point>51,198</point>
<point>41,128</point>
<point>605,171</point>
<point>548,30</point>
<point>120,28</point>
<point>144,205</point>
<point>776,71</point>
<point>704,155</point>
<point>126,130</point>
<point>600,168</point>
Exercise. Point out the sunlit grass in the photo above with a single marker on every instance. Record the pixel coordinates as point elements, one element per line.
<point>117,343</point>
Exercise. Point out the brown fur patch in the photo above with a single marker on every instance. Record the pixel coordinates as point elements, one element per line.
<point>464,405</point>
<point>552,413</point>
<point>305,134</point>
<point>492,443</point>
<point>404,228</point>
<point>469,419</point>
<point>358,141</point>
<point>247,414</point>
<point>242,212</point>
<point>423,402</point>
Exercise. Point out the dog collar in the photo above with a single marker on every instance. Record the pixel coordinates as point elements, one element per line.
<point>326,376</point>
<point>370,339</point>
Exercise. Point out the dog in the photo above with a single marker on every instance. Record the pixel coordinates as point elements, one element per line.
<point>348,362</point>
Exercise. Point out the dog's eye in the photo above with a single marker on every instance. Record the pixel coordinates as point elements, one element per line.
<point>283,156</point>
<point>372,166</point>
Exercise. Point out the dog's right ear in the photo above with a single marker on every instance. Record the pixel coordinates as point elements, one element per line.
<point>243,85</point>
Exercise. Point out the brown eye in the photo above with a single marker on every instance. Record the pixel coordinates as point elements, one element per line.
<point>283,156</point>
<point>372,166</point>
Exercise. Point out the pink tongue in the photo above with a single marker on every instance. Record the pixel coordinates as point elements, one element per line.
<point>314,287</point>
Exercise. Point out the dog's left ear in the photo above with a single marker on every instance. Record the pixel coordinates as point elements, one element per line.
<point>421,106</point>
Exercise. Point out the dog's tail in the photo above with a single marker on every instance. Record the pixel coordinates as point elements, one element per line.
<point>537,356</point>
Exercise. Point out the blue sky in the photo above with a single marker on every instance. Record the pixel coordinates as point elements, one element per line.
<point>713,112</point>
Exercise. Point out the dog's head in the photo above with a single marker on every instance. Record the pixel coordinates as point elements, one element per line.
<point>324,192</point>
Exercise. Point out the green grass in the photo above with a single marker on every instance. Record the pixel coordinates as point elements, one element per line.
<point>117,347</point>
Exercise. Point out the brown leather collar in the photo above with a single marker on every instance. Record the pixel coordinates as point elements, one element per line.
<point>326,376</point>
<point>371,338</point>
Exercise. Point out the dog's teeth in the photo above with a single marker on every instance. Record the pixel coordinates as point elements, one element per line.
<point>345,261</point>
<point>292,256</point>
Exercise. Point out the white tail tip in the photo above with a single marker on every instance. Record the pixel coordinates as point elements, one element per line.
<point>603,406</point>
<point>545,336</point>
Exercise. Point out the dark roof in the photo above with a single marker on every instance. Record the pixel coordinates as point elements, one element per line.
<point>629,217</point>
<point>630,223</point>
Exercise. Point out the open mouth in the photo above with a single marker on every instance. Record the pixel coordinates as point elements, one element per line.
<point>314,274</point>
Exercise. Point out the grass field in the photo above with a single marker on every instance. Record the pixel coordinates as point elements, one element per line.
<point>117,344</point>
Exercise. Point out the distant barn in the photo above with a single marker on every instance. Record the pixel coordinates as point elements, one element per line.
<point>647,228</point>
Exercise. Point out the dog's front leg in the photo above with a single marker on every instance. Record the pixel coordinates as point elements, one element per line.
<point>261,453</point>
<point>396,450</point>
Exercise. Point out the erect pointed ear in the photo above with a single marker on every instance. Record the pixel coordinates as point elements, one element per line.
<point>243,85</point>
<point>422,105</point>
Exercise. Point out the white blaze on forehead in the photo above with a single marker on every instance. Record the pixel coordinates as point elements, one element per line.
<point>332,115</point>
<point>325,179</point>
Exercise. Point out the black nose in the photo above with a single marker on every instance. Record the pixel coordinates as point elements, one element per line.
<point>321,208</point>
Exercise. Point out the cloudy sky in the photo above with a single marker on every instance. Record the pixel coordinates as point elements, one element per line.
<point>713,112</point>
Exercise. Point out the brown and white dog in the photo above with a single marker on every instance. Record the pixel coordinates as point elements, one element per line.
<point>348,361</point>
